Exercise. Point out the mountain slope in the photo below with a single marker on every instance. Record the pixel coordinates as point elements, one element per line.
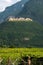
<point>21,34</point>
<point>33,9</point>
<point>12,10</point>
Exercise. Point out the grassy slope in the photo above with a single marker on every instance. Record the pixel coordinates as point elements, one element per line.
<point>13,34</point>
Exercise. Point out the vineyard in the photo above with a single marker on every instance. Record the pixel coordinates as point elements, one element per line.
<point>14,55</point>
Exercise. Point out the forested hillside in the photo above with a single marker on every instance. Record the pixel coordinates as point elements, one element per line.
<point>21,34</point>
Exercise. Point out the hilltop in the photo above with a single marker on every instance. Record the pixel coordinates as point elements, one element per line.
<point>21,34</point>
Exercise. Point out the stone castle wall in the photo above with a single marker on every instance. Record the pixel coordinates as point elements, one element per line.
<point>19,19</point>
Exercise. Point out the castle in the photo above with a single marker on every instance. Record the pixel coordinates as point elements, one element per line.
<point>19,19</point>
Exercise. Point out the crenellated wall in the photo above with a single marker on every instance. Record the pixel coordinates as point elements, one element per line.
<point>19,19</point>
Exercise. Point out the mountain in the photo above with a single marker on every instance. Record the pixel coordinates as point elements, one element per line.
<point>12,10</point>
<point>33,9</point>
<point>21,34</point>
<point>25,8</point>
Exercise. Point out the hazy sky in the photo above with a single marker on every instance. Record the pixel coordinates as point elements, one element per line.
<point>5,3</point>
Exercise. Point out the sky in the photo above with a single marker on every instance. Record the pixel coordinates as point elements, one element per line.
<point>6,3</point>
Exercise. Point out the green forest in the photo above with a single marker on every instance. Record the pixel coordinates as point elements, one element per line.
<point>21,34</point>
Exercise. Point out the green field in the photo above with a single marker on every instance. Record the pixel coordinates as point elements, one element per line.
<point>18,52</point>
